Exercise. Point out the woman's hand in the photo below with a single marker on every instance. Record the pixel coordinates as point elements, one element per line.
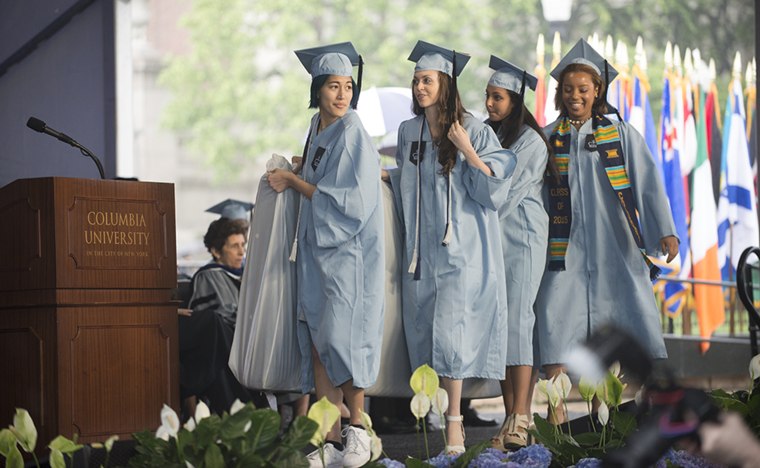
<point>279,179</point>
<point>296,162</point>
<point>669,246</point>
<point>385,176</point>
<point>458,135</point>
<point>185,312</point>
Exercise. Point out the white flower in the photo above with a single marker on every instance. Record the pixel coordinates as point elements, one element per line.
<point>188,464</point>
<point>420,405</point>
<point>562,384</point>
<point>440,402</point>
<point>603,414</point>
<point>376,447</point>
<point>587,389</point>
<point>190,425</point>
<point>639,397</point>
<point>163,433</point>
<point>201,411</point>
<point>754,367</point>
<point>237,405</point>
<point>169,420</point>
<point>615,368</point>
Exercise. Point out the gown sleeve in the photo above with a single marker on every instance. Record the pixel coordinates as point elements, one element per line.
<point>532,156</point>
<point>491,191</point>
<point>347,194</point>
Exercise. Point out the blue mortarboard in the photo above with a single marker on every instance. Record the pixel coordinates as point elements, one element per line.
<point>232,209</point>
<point>582,52</point>
<point>510,77</point>
<point>334,59</point>
<point>429,56</point>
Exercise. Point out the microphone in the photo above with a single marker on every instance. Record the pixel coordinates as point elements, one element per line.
<point>39,126</point>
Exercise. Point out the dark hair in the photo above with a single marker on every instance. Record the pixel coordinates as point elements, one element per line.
<point>316,85</point>
<point>447,152</point>
<point>508,130</point>
<point>221,229</point>
<point>600,102</point>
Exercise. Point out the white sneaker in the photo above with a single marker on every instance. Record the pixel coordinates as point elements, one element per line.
<point>333,458</point>
<point>357,447</point>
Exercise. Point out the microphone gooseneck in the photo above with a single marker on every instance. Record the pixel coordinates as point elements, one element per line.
<point>40,126</point>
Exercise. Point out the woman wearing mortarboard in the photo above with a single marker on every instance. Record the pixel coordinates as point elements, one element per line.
<point>452,176</point>
<point>339,247</point>
<point>524,236</point>
<point>607,212</point>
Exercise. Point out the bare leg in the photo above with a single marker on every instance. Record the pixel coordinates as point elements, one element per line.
<point>556,416</point>
<point>325,387</point>
<point>531,390</point>
<point>301,406</point>
<point>354,400</point>
<point>520,377</point>
<point>506,393</point>
<point>454,430</point>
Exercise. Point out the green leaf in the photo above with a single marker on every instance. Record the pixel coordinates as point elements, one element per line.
<point>7,442</point>
<point>64,445</point>
<point>234,426</point>
<point>470,454</point>
<point>301,431</point>
<point>588,439</point>
<point>623,423</point>
<point>325,414</point>
<point>14,460</point>
<point>416,463</point>
<point>213,457</point>
<point>56,459</point>
<point>23,428</point>
<point>265,426</point>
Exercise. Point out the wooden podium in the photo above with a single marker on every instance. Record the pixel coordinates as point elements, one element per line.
<point>88,328</point>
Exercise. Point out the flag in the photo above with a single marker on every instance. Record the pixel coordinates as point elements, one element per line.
<point>640,116</point>
<point>674,293</point>
<point>714,141</point>
<point>708,299</point>
<point>540,72</point>
<point>737,206</point>
<point>550,111</point>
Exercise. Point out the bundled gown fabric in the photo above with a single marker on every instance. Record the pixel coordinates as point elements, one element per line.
<point>606,279</point>
<point>455,313</point>
<point>524,238</point>
<point>205,339</point>
<point>340,257</point>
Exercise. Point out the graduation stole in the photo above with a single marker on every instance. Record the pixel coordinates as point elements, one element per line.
<point>606,141</point>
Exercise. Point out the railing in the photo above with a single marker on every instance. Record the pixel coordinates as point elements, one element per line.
<point>746,273</point>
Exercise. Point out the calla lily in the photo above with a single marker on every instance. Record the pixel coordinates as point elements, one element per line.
<point>610,390</point>
<point>375,447</point>
<point>603,413</point>
<point>754,368</point>
<point>366,422</point>
<point>424,379</point>
<point>541,387</point>
<point>615,368</point>
<point>562,384</point>
<point>56,459</point>
<point>169,420</point>
<point>587,389</point>
<point>7,442</point>
<point>237,405</point>
<point>189,465</point>
<point>163,433</point>
<point>420,405</point>
<point>325,414</point>
<point>201,412</point>
<point>24,430</point>
<point>190,425</point>
<point>639,396</point>
<point>440,402</point>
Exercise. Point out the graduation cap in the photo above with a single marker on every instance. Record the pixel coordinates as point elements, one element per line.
<point>333,59</point>
<point>582,52</point>
<point>429,56</point>
<point>510,77</point>
<point>232,209</point>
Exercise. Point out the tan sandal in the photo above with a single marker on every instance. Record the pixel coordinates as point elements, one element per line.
<point>455,449</point>
<point>497,441</point>
<point>516,436</point>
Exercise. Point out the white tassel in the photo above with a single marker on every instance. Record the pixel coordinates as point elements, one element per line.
<point>413,265</point>
<point>294,251</point>
<point>447,236</point>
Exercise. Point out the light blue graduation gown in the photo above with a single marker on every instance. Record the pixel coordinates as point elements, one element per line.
<point>340,259</point>
<point>524,239</point>
<point>455,314</point>
<point>606,279</point>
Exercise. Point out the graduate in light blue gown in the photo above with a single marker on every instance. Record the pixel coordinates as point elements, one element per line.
<point>607,213</point>
<point>452,177</point>
<point>339,249</point>
<point>524,237</point>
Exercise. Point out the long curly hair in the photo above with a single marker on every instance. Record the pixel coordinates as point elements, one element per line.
<point>447,152</point>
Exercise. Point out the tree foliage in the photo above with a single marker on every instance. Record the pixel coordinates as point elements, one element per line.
<point>241,93</point>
